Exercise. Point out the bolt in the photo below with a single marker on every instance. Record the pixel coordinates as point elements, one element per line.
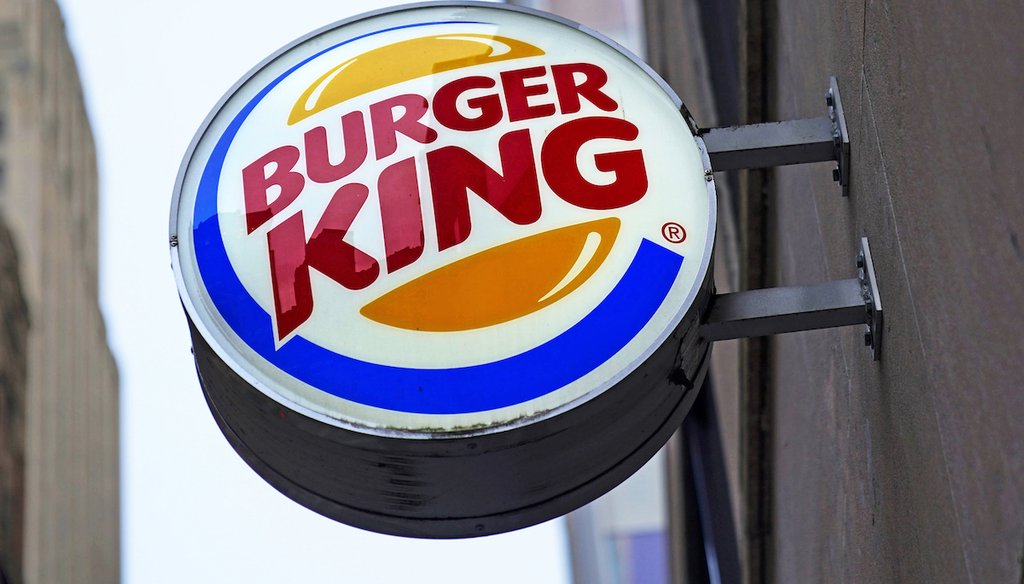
<point>829,99</point>
<point>860,261</point>
<point>174,241</point>
<point>835,175</point>
<point>707,175</point>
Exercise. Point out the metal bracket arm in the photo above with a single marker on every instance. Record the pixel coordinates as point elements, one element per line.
<point>774,311</point>
<point>803,141</point>
<point>771,144</point>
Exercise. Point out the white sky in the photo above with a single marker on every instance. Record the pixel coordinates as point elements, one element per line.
<point>192,511</point>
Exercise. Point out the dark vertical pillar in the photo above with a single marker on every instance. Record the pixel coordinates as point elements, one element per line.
<point>687,559</point>
<point>710,490</point>
<point>755,354</point>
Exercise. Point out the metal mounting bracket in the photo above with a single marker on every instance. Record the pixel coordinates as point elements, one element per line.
<point>802,141</point>
<point>773,311</point>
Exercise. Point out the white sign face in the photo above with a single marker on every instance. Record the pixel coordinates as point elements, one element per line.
<point>442,219</point>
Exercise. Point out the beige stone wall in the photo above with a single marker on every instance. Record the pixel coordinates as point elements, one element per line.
<point>49,198</point>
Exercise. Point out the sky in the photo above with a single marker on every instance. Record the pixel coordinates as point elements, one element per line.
<point>192,511</point>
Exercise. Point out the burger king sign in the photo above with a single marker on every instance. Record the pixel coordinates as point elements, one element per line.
<point>443,266</point>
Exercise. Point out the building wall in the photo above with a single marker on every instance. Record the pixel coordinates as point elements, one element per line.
<point>48,198</point>
<point>911,469</point>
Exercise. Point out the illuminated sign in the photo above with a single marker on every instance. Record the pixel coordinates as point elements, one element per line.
<point>443,223</point>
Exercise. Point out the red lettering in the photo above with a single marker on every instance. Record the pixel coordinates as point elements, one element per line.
<point>569,92</point>
<point>558,161</point>
<point>512,188</point>
<point>446,109</point>
<point>401,215</point>
<point>517,94</point>
<point>515,194</point>
<point>293,295</point>
<point>256,185</point>
<point>386,128</point>
<point>291,258</point>
<point>318,158</point>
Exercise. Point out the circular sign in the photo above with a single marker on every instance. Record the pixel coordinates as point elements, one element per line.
<point>444,225</point>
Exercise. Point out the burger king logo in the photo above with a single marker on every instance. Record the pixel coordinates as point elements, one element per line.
<point>420,223</point>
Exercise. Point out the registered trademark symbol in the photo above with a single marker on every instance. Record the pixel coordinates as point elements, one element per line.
<point>673,232</point>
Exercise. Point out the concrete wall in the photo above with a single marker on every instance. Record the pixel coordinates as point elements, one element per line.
<point>911,469</point>
<point>49,198</point>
